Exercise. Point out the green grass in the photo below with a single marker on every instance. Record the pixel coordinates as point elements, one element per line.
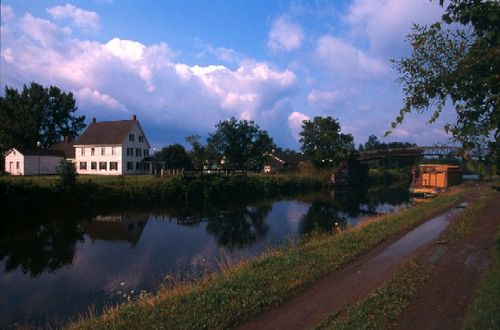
<point>485,311</point>
<point>386,303</point>
<point>238,293</point>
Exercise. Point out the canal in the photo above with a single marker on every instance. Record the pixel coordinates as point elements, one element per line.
<point>54,270</point>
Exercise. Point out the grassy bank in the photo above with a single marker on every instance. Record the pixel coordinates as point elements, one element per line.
<point>386,303</point>
<point>238,293</point>
<point>485,312</point>
<point>44,193</point>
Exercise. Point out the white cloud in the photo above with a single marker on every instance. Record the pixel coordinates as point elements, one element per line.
<point>343,59</point>
<point>83,19</point>
<point>94,97</point>
<point>43,31</point>
<point>127,75</point>
<point>325,99</point>
<point>385,23</point>
<point>285,35</point>
<point>295,120</point>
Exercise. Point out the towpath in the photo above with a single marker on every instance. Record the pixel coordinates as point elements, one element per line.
<point>355,281</point>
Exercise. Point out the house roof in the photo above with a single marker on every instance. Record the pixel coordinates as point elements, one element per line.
<point>38,152</point>
<point>67,147</point>
<point>107,132</point>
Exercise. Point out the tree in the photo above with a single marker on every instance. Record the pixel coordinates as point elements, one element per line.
<point>240,143</point>
<point>37,114</point>
<point>67,174</point>
<point>198,153</point>
<point>456,60</point>
<point>372,143</point>
<point>322,141</point>
<point>175,157</point>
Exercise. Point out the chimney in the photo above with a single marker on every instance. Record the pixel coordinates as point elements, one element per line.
<point>134,117</point>
<point>94,120</point>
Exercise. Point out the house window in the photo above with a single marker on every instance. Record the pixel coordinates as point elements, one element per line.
<point>113,166</point>
<point>130,151</point>
<point>138,152</point>
<point>92,151</point>
<point>130,166</point>
<point>82,150</point>
<point>83,165</point>
<point>146,153</point>
<point>17,165</point>
<point>141,138</point>
<point>113,151</point>
<point>137,166</point>
<point>131,137</point>
<point>93,165</point>
<point>102,166</point>
<point>103,151</point>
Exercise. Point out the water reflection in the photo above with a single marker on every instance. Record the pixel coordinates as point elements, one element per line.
<point>240,227</point>
<point>40,248</point>
<point>56,269</point>
<point>123,227</point>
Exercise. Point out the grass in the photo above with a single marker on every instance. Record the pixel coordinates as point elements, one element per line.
<point>43,194</point>
<point>386,303</point>
<point>238,293</point>
<point>485,311</point>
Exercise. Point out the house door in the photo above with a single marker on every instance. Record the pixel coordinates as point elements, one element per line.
<point>11,167</point>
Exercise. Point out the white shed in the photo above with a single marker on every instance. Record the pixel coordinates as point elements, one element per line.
<point>20,161</point>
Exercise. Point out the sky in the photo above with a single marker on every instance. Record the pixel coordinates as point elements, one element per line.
<point>183,66</point>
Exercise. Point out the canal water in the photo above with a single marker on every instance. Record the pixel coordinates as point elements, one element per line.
<point>54,270</point>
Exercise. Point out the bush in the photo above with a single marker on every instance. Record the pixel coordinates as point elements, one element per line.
<point>67,174</point>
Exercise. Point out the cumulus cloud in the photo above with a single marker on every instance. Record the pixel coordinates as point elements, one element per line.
<point>325,99</point>
<point>129,76</point>
<point>285,35</point>
<point>344,59</point>
<point>83,19</point>
<point>295,120</point>
<point>94,97</point>
<point>385,23</point>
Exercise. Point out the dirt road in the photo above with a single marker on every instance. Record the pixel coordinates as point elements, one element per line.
<point>358,279</point>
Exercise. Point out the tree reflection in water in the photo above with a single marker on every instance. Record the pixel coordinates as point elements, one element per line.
<point>240,227</point>
<point>40,248</point>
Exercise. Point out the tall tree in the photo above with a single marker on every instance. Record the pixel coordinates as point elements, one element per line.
<point>37,114</point>
<point>322,140</point>
<point>241,143</point>
<point>175,157</point>
<point>457,60</point>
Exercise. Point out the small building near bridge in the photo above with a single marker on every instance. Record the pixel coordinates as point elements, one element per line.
<point>431,179</point>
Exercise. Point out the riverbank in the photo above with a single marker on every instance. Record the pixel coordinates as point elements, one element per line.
<point>239,293</point>
<point>437,286</point>
<point>45,195</point>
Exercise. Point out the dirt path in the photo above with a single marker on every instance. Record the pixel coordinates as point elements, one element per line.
<point>351,283</point>
<point>455,273</point>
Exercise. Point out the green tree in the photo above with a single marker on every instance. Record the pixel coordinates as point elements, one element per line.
<point>456,60</point>
<point>322,140</point>
<point>240,143</point>
<point>175,157</point>
<point>67,174</point>
<point>198,153</point>
<point>372,143</point>
<point>37,114</point>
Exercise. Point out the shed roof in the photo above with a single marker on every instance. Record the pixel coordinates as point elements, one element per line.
<point>38,152</point>
<point>106,132</point>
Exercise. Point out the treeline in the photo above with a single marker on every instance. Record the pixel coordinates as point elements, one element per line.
<point>179,192</point>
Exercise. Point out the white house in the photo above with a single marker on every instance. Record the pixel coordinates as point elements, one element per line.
<point>112,148</point>
<point>19,161</point>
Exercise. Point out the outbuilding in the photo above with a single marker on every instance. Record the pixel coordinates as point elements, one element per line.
<point>20,161</point>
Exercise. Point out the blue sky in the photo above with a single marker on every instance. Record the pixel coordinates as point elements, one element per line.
<point>182,66</point>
